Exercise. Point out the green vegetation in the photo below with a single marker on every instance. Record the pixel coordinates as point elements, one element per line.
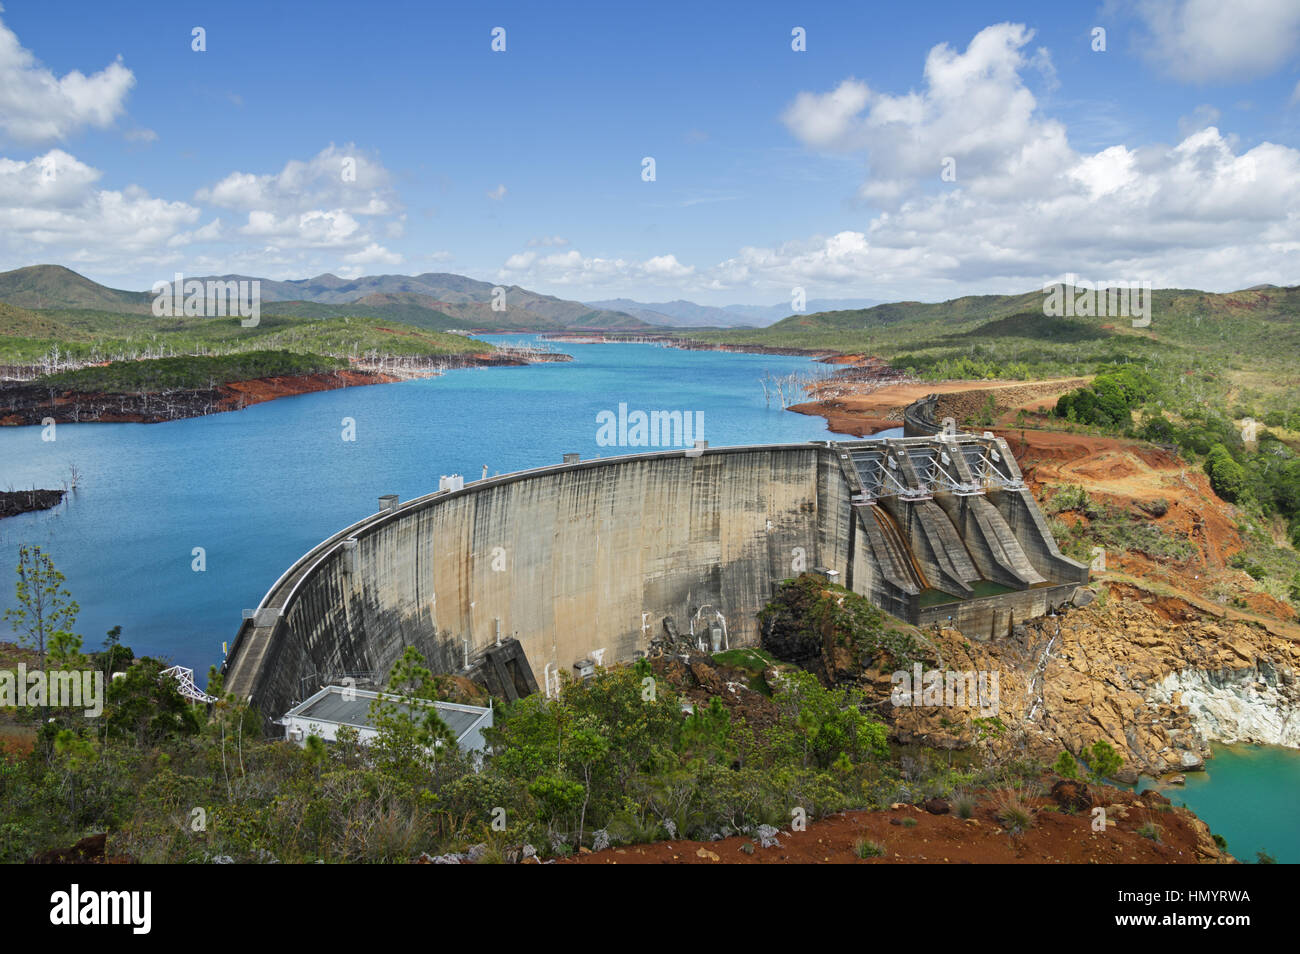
<point>1109,398</point>
<point>176,782</point>
<point>169,374</point>
<point>866,848</point>
<point>1199,346</point>
<point>1065,766</point>
<point>963,804</point>
<point>599,756</point>
<point>753,661</point>
<point>1102,760</point>
<point>29,337</point>
<point>46,612</point>
<point>1150,830</point>
<point>1011,809</point>
<point>750,658</point>
<point>806,608</point>
<point>1115,529</point>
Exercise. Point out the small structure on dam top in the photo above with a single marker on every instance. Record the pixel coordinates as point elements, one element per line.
<point>513,580</point>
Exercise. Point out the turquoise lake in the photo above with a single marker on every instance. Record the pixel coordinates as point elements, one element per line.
<point>1246,794</point>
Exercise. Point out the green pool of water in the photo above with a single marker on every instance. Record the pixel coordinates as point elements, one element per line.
<point>1247,794</point>
<point>980,588</point>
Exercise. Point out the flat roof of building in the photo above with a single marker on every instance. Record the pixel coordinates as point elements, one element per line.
<point>347,706</point>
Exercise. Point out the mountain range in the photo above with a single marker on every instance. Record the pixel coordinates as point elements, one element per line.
<point>434,300</point>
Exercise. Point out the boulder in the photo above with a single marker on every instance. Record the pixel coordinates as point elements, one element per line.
<point>1072,795</point>
<point>1191,761</point>
<point>767,837</point>
<point>935,806</point>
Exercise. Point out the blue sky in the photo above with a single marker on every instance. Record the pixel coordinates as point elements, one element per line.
<point>1171,156</point>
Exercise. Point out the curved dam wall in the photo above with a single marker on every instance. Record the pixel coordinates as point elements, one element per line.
<point>576,561</point>
<point>515,579</point>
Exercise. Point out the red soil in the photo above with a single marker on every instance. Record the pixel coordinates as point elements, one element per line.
<point>243,393</point>
<point>1054,837</point>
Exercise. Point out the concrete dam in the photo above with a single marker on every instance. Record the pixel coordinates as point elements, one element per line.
<point>513,580</point>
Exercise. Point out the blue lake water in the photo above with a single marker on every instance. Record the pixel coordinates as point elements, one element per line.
<point>1247,795</point>
<point>257,488</point>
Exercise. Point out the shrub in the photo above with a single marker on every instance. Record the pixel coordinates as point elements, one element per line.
<point>1070,497</point>
<point>1227,477</point>
<point>963,804</point>
<point>866,848</point>
<point>1065,766</point>
<point>1150,830</point>
<point>1103,761</point>
<point>1013,813</point>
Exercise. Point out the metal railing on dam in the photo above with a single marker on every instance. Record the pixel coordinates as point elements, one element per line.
<point>582,561</point>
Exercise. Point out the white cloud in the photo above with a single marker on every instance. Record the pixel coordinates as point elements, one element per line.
<point>1201,41</point>
<point>575,270</point>
<point>829,120</point>
<point>1026,206</point>
<point>36,106</point>
<point>329,201</point>
<point>843,257</point>
<point>373,254</point>
<point>666,266</point>
<point>497,194</point>
<point>212,232</point>
<point>975,108</point>
<point>344,178</point>
<point>51,210</point>
<point>316,228</point>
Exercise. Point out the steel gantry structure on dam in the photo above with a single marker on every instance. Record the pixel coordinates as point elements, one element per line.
<point>916,468</point>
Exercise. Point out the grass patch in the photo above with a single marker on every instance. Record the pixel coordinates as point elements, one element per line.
<point>1013,812</point>
<point>964,805</point>
<point>866,848</point>
<point>749,659</point>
